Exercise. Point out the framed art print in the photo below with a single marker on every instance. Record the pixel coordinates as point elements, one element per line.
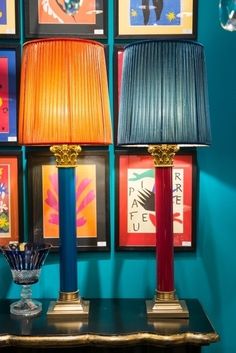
<point>156,18</point>
<point>135,195</point>
<point>91,199</point>
<point>9,71</point>
<point>10,196</point>
<point>47,18</point>
<point>9,19</point>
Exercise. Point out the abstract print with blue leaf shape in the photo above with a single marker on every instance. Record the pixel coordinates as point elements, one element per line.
<point>155,12</point>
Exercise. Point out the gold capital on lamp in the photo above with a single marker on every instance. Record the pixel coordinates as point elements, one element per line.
<point>64,103</point>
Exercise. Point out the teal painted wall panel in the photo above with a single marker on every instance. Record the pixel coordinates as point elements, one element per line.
<point>216,282</point>
<point>209,273</point>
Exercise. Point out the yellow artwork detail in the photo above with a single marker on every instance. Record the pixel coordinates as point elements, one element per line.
<point>171,16</point>
<point>134,13</point>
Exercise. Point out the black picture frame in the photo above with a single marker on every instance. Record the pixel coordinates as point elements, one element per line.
<point>96,159</point>
<point>11,197</point>
<point>129,239</point>
<point>9,91</point>
<point>10,20</point>
<point>55,19</point>
<point>136,20</point>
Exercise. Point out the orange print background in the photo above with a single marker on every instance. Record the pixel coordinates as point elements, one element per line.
<point>89,213</point>
<point>51,12</point>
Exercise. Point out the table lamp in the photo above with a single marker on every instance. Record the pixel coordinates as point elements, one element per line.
<point>164,105</point>
<point>64,103</point>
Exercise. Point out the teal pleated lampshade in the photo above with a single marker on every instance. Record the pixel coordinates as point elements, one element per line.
<point>164,96</point>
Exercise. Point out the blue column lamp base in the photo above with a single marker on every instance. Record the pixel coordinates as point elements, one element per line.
<point>69,301</point>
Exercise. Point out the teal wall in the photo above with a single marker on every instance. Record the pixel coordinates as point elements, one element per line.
<point>208,274</point>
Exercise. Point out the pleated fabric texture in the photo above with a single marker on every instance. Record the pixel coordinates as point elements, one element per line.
<point>64,93</point>
<point>164,95</point>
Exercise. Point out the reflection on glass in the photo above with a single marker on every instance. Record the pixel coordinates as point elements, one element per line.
<point>227,14</point>
<point>72,6</point>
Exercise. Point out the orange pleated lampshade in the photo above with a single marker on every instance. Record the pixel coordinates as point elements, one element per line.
<point>64,93</point>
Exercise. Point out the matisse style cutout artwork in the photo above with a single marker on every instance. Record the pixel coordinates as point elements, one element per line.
<point>8,19</point>
<point>9,197</point>
<point>44,18</point>
<point>91,194</point>
<point>85,201</point>
<point>51,11</point>
<point>8,94</point>
<point>140,18</point>
<point>136,201</point>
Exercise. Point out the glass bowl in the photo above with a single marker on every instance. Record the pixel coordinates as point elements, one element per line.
<point>25,261</point>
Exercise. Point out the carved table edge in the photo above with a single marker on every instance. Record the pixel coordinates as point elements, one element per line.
<point>108,340</point>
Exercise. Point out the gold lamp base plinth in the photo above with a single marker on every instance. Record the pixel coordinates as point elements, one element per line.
<point>69,304</point>
<point>166,305</point>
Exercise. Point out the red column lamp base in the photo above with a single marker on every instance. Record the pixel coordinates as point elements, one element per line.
<point>165,304</point>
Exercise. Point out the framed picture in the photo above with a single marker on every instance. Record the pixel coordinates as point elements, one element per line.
<point>9,79</point>
<point>9,19</point>
<point>10,196</point>
<point>156,18</point>
<point>91,196</point>
<point>135,198</point>
<point>47,18</point>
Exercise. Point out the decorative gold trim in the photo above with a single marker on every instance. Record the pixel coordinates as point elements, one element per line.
<point>66,155</point>
<point>163,154</point>
<point>166,305</point>
<point>69,296</point>
<point>109,340</point>
<point>172,309</point>
<point>69,308</point>
<point>69,303</point>
<point>167,296</point>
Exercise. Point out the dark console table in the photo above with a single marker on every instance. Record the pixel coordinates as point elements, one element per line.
<point>114,325</point>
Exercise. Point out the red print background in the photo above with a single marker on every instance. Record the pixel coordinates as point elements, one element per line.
<point>136,239</point>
